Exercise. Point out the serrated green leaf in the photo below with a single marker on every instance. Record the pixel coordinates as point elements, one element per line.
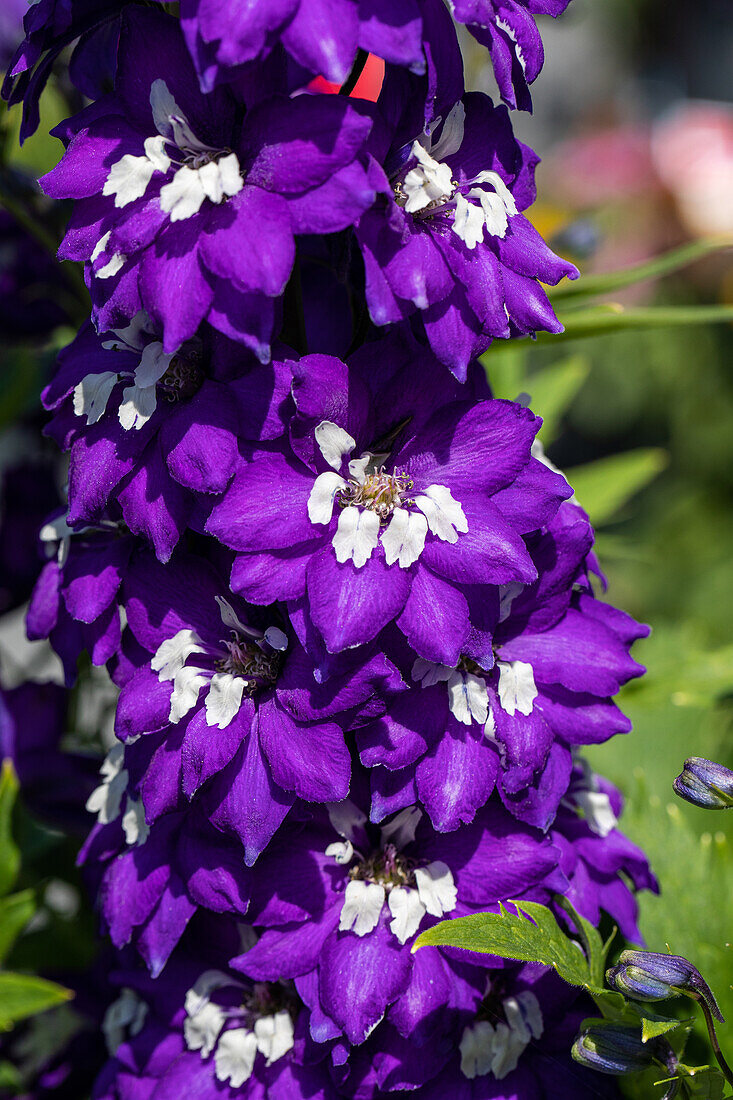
<point>704,1082</point>
<point>9,854</point>
<point>604,486</point>
<point>595,949</point>
<point>531,935</point>
<point>15,912</point>
<point>553,390</point>
<point>595,285</point>
<point>24,995</point>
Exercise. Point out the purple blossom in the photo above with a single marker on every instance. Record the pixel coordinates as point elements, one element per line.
<point>186,211</point>
<point>227,704</point>
<point>508,30</point>
<point>152,429</point>
<point>535,681</point>
<point>388,505</point>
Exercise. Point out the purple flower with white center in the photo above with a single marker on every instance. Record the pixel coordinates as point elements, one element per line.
<point>74,601</point>
<point>447,236</point>
<point>507,28</point>
<point>370,888</point>
<point>176,193</point>
<point>152,429</point>
<point>232,710</point>
<point>534,682</point>
<point>382,505</point>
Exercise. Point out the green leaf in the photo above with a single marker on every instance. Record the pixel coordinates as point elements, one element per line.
<point>553,391</point>
<point>705,1082</point>
<point>595,949</point>
<point>15,912</point>
<point>9,854</point>
<point>604,486</point>
<point>589,286</point>
<point>23,995</point>
<point>539,939</point>
<point>10,1078</point>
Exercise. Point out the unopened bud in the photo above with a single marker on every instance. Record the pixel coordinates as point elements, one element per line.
<point>613,1049</point>
<point>646,976</point>
<point>705,783</point>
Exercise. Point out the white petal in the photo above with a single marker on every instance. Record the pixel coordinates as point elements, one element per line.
<point>92,394</point>
<point>100,246</point>
<point>443,512</point>
<point>199,993</point>
<point>153,364</point>
<point>347,819</point>
<point>134,825</point>
<point>137,406</point>
<point>596,808</point>
<point>334,443</point>
<point>507,595</point>
<point>230,174</point>
<point>404,539</point>
<point>187,685</point>
<point>430,182</point>
<point>356,536</point>
<point>508,1048</point>
<point>202,1029</point>
<point>517,690</point>
<point>451,137</point>
<point>477,1048</point>
<point>402,828</point>
<point>128,179</point>
<point>500,188</point>
<point>56,530</point>
<point>210,178</point>
<point>429,673</point>
<point>320,501</point>
<point>131,336</point>
<point>362,906</point>
<point>274,1035</point>
<point>235,1056</point>
<point>407,911</point>
<point>436,888</point>
<point>276,638</point>
<point>524,1016</point>
<point>163,105</point>
<point>106,800</point>
<point>183,196</point>
<point>468,221</point>
<point>342,851</point>
<point>458,698</point>
<point>358,467</point>
<point>124,1017</point>
<point>494,211</point>
<point>156,154</point>
<point>230,618</point>
<point>478,697</point>
<point>224,699</point>
<point>173,653</point>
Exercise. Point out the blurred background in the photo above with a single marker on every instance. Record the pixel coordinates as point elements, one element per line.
<point>634,123</point>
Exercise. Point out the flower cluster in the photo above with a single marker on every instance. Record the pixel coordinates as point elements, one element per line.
<point>347,605</point>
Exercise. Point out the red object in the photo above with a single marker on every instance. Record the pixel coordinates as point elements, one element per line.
<point>368,86</point>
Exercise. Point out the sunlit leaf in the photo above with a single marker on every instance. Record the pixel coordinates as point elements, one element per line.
<point>15,912</point>
<point>553,390</point>
<point>9,854</point>
<point>23,995</point>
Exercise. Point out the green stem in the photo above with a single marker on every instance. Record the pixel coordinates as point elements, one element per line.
<point>725,1068</point>
<point>350,83</point>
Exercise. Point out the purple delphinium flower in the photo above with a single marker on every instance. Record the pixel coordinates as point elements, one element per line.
<point>392,497</point>
<point>187,211</point>
<point>447,236</point>
<point>74,601</point>
<point>507,28</point>
<point>228,703</point>
<point>151,429</point>
<point>535,681</point>
<point>369,890</point>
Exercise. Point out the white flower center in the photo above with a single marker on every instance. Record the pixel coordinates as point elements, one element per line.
<point>495,1050</point>
<point>240,665</point>
<point>482,206</point>
<point>468,697</point>
<point>264,1016</point>
<point>376,505</point>
<point>409,888</point>
<point>201,171</point>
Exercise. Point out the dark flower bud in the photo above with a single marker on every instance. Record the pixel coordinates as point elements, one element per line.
<point>613,1048</point>
<point>705,783</point>
<point>647,976</point>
